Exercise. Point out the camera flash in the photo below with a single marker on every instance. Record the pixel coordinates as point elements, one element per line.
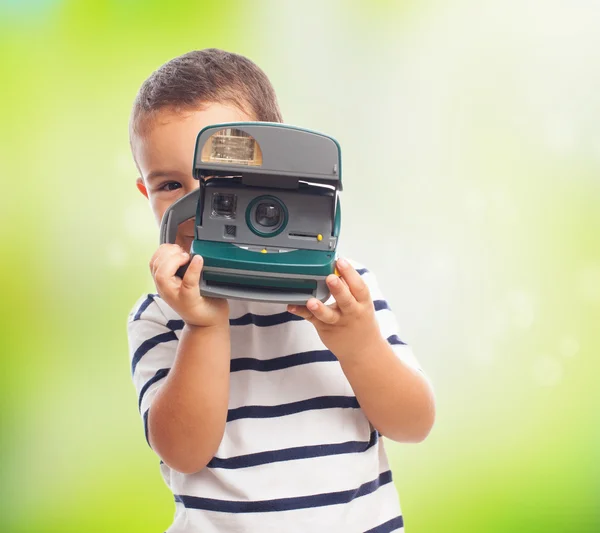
<point>232,146</point>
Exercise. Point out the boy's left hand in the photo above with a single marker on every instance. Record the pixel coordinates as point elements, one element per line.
<point>348,326</point>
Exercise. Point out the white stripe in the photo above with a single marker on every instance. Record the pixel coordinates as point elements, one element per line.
<point>274,341</point>
<point>325,426</point>
<point>250,387</point>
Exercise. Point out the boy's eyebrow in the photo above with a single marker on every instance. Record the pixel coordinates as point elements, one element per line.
<point>165,174</point>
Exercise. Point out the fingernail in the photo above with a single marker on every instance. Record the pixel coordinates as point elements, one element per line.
<point>292,309</point>
<point>342,262</point>
<point>312,306</point>
<point>333,281</point>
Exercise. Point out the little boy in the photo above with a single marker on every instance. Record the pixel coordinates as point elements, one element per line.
<point>266,418</point>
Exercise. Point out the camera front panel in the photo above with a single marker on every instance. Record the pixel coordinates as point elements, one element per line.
<point>265,217</point>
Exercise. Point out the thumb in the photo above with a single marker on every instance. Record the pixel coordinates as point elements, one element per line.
<point>191,280</point>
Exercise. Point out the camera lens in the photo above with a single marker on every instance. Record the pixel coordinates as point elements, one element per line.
<point>268,214</point>
<point>224,205</point>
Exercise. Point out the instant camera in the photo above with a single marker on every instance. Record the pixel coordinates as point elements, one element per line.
<point>267,212</point>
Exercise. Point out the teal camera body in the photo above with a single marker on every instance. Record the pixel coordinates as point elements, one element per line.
<point>267,211</point>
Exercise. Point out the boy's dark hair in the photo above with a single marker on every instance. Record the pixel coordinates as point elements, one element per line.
<point>206,76</point>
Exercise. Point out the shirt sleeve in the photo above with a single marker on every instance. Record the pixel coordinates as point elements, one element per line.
<point>152,347</point>
<point>388,324</point>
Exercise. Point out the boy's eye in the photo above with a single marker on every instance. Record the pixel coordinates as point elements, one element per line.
<point>170,186</point>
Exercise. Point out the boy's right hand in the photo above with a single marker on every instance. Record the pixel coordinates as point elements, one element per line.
<point>183,295</point>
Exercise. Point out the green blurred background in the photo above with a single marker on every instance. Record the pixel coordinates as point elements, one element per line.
<point>471,143</point>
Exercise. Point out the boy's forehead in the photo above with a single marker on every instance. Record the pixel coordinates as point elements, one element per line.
<point>168,139</point>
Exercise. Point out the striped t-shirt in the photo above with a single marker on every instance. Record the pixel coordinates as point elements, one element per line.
<point>298,454</point>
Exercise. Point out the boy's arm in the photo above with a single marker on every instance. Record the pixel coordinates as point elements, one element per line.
<point>187,417</point>
<point>397,399</point>
<point>184,395</point>
<point>396,396</point>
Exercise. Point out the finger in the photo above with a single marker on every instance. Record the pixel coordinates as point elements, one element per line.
<point>322,312</point>
<point>153,259</point>
<point>341,293</point>
<point>190,285</point>
<point>166,267</point>
<point>162,260</point>
<point>356,284</point>
<point>164,250</point>
<point>301,311</point>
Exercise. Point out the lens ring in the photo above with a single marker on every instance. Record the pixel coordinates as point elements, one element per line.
<point>266,216</point>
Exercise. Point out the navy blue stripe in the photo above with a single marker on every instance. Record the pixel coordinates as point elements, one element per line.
<point>263,321</point>
<point>161,373</point>
<point>146,346</point>
<point>281,318</point>
<point>278,363</point>
<point>390,525</point>
<point>362,271</point>
<point>381,304</point>
<point>149,299</point>
<point>394,339</point>
<point>285,504</point>
<point>175,325</point>
<point>312,404</point>
<point>146,425</point>
<point>293,454</point>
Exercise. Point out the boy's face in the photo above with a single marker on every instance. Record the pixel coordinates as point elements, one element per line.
<point>164,156</point>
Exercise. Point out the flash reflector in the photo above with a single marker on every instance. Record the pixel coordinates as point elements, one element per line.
<point>232,146</point>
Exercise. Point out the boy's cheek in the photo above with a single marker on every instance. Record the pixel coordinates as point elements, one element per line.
<point>185,234</point>
<point>186,229</point>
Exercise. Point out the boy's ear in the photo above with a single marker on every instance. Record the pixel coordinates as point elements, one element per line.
<point>141,187</point>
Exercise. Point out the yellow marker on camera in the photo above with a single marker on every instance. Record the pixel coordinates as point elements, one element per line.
<point>263,251</point>
<point>319,237</point>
